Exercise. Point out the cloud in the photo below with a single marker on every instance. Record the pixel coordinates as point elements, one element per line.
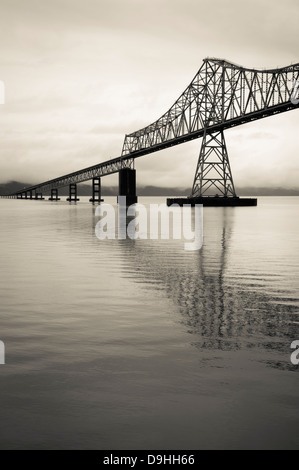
<point>80,75</point>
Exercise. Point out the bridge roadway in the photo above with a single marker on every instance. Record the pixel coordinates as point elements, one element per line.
<point>221,96</point>
<point>114,165</point>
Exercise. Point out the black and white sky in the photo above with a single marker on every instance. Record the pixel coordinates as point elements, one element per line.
<point>80,74</point>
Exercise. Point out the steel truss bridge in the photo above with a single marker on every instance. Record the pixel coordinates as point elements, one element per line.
<point>220,96</point>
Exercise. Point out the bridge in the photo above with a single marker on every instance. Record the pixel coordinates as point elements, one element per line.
<point>222,95</point>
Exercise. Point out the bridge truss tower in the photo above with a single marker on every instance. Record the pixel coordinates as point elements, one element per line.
<point>222,95</point>
<point>213,176</point>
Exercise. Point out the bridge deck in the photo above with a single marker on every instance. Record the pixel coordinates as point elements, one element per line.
<point>221,96</point>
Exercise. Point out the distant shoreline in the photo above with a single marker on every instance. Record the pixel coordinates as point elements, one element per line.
<point>85,190</point>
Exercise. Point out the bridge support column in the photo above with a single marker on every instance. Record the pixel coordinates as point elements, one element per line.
<point>213,182</point>
<point>39,196</point>
<point>127,185</point>
<point>96,191</point>
<point>213,176</point>
<point>54,195</point>
<point>72,193</point>
<point>28,194</point>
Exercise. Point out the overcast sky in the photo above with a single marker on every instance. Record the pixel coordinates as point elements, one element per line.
<point>80,74</point>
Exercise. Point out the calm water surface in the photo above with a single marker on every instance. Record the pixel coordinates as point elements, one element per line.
<point>123,344</point>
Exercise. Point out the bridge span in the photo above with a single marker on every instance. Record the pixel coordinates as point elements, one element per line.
<point>222,95</point>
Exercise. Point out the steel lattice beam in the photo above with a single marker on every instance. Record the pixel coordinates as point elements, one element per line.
<point>221,95</point>
<point>96,171</point>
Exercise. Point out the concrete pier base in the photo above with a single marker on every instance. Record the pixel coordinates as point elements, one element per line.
<point>73,193</point>
<point>96,191</point>
<point>127,185</point>
<point>213,201</point>
<point>54,195</point>
<point>39,197</point>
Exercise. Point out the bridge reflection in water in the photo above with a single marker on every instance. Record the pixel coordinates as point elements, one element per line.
<point>226,299</point>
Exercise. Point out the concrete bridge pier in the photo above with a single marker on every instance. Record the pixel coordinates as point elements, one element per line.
<point>39,196</point>
<point>127,185</point>
<point>73,193</point>
<point>54,195</point>
<point>96,191</point>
